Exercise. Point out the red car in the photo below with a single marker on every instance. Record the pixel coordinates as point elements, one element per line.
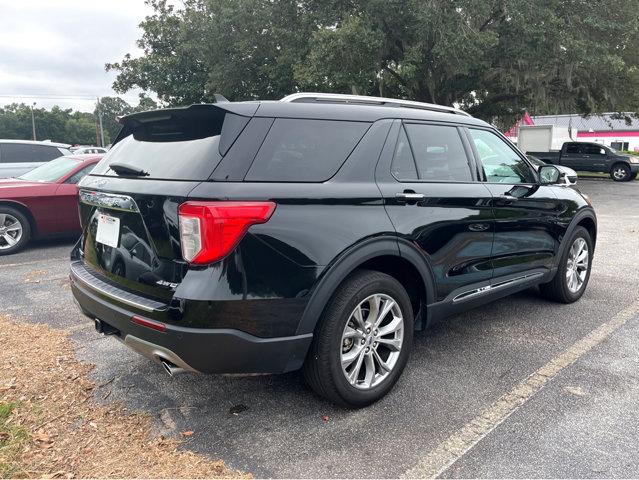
<point>42,202</point>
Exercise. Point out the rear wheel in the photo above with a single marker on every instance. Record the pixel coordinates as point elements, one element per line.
<point>620,172</point>
<point>573,274</point>
<point>363,341</point>
<point>15,230</point>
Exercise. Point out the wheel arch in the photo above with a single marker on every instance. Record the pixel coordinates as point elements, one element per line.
<point>22,208</point>
<point>387,255</point>
<point>584,218</point>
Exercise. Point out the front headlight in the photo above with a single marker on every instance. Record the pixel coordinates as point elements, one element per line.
<point>633,159</point>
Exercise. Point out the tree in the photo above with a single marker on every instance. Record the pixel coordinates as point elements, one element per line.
<point>491,57</point>
<point>65,125</point>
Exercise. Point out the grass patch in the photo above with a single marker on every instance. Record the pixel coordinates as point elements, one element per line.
<point>50,425</point>
<point>13,439</point>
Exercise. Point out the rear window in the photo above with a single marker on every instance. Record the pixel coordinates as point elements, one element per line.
<point>298,150</point>
<point>178,160</point>
<point>184,146</point>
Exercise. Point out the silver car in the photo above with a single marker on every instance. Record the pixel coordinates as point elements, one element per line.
<point>20,156</point>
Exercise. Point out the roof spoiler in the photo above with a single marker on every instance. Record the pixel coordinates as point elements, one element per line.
<point>134,120</point>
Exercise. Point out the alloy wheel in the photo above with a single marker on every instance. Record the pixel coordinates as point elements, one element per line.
<point>577,265</point>
<point>619,173</point>
<point>372,341</point>
<point>10,231</point>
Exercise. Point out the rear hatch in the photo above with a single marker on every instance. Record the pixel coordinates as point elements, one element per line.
<point>129,203</point>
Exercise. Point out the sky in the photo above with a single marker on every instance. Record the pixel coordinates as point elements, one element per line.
<point>53,52</point>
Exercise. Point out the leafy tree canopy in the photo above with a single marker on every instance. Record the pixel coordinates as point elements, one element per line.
<point>493,58</point>
<point>66,125</point>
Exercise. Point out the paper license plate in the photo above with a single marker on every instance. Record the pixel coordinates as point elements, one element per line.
<point>108,230</point>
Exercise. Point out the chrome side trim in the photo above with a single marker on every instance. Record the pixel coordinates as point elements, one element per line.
<point>366,100</point>
<point>112,201</point>
<point>82,275</point>
<point>491,288</point>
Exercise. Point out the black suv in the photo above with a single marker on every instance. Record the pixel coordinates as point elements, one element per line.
<point>316,232</point>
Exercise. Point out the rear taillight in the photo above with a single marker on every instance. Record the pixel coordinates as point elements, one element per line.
<point>211,230</point>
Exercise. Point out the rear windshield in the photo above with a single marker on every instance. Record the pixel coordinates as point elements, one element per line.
<point>178,160</point>
<point>298,150</point>
<point>183,147</point>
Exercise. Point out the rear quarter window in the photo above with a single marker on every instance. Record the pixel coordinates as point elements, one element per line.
<point>300,150</point>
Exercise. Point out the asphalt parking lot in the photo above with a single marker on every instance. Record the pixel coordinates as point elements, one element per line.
<point>518,388</point>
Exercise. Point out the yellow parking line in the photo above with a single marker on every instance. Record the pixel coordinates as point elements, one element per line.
<point>437,461</point>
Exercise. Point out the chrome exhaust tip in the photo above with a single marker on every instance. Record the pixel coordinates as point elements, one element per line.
<point>171,368</point>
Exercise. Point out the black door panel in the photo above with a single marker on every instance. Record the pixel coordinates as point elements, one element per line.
<point>451,223</point>
<point>524,227</point>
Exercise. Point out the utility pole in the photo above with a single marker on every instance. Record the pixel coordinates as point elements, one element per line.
<point>99,109</point>
<point>33,121</point>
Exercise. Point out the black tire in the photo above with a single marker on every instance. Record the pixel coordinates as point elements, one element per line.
<point>323,370</point>
<point>620,172</point>
<point>26,231</point>
<point>557,289</point>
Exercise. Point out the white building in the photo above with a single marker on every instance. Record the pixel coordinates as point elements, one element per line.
<point>605,129</point>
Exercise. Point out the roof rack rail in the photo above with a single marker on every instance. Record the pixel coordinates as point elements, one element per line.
<point>366,100</point>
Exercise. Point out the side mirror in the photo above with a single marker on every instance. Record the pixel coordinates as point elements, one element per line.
<point>549,175</point>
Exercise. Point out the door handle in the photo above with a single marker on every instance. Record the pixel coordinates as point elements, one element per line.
<point>409,197</point>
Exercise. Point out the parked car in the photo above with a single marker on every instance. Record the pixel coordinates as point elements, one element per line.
<point>20,156</point>
<point>42,202</point>
<point>83,150</point>
<point>592,157</point>
<point>568,175</point>
<point>317,232</point>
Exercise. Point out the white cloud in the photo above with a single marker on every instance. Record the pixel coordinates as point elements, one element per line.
<point>58,48</point>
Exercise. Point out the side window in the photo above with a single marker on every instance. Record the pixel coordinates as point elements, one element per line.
<point>437,153</point>
<point>403,167</point>
<point>592,149</point>
<point>500,162</point>
<point>24,152</point>
<point>79,175</point>
<point>573,148</point>
<point>298,150</point>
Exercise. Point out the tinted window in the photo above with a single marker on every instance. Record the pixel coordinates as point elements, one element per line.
<point>403,163</point>
<point>591,149</point>
<point>177,160</point>
<point>52,171</point>
<point>24,152</point>
<point>500,162</point>
<point>438,153</point>
<point>305,150</point>
<point>173,145</point>
<point>573,148</point>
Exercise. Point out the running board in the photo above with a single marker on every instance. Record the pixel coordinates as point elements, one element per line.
<point>498,286</point>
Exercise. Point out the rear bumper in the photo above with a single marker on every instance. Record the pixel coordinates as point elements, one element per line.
<point>193,349</point>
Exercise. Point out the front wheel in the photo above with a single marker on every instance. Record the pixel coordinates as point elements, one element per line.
<point>573,274</point>
<point>620,173</point>
<point>363,341</point>
<point>15,230</point>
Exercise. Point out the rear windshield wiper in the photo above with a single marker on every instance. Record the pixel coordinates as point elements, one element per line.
<point>124,169</point>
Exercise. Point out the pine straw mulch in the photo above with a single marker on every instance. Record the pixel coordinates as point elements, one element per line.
<point>50,426</point>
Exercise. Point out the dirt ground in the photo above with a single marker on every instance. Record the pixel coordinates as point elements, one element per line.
<point>51,427</point>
